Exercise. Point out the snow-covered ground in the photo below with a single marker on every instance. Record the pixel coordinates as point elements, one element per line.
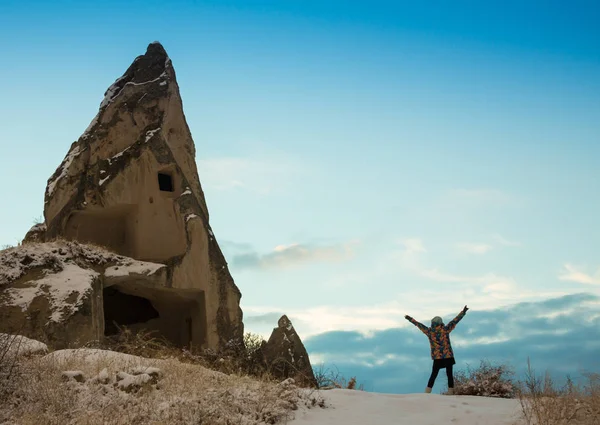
<point>91,383</point>
<point>351,407</point>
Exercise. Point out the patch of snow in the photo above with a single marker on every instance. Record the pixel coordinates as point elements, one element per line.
<point>361,407</point>
<point>128,382</point>
<point>91,355</point>
<point>190,217</point>
<point>102,181</point>
<point>186,192</point>
<point>73,375</point>
<point>15,262</point>
<point>102,378</point>
<point>64,168</point>
<point>150,134</point>
<point>148,370</point>
<point>163,83</point>
<point>112,93</point>
<point>85,134</point>
<point>19,345</point>
<point>40,227</point>
<point>118,155</point>
<point>103,171</point>
<point>135,267</point>
<point>210,232</point>
<point>57,288</point>
<point>163,75</point>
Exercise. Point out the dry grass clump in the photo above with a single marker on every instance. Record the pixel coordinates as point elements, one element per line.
<point>488,380</point>
<point>543,403</point>
<point>9,368</point>
<point>178,393</point>
<point>329,378</point>
<point>244,358</point>
<point>241,358</point>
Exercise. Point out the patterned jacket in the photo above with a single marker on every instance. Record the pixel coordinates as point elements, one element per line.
<point>439,337</point>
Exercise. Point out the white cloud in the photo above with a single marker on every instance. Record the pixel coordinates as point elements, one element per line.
<point>572,273</point>
<point>422,303</point>
<point>284,256</point>
<point>474,248</point>
<point>319,319</point>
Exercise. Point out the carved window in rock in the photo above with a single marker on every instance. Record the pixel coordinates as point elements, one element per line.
<point>165,182</point>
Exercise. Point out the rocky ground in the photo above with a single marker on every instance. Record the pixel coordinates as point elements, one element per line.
<point>92,386</point>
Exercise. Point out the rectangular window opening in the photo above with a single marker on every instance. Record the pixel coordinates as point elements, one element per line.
<point>165,182</point>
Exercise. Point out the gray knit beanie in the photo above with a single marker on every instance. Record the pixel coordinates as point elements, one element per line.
<point>436,321</point>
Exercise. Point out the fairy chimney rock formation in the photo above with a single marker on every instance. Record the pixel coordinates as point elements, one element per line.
<point>130,184</point>
<point>286,355</point>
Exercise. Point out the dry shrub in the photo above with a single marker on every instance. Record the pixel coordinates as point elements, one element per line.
<point>488,380</point>
<point>329,378</point>
<point>543,403</point>
<point>142,343</point>
<point>237,357</point>
<point>9,367</point>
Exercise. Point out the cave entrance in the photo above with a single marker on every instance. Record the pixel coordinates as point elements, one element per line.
<point>113,228</point>
<point>177,315</point>
<point>122,309</point>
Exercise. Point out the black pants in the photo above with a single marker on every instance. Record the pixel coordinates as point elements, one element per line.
<point>434,373</point>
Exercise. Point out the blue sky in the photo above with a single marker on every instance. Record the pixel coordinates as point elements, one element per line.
<point>361,160</point>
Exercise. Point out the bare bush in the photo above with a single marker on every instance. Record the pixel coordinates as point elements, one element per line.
<point>8,365</point>
<point>141,343</point>
<point>544,403</point>
<point>328,378</point>
<point>488,380</point>
<point>237,357</point>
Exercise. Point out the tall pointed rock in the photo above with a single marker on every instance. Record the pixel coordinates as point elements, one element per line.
<point>130,184</point>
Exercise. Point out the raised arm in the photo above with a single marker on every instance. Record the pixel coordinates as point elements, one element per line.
<point>419,325</point>
<point>452,324</point>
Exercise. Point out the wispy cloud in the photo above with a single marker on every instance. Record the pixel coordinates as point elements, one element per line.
<point>473,248</point>
<point>572,273</point>
<point>503,241</point>
<point>419,302</point>
<point>413,245</point>
<point>326,318</point>
<point>259,175</point>
<point>478,195</point>
<point>411,259</point>
<point>296,254</point>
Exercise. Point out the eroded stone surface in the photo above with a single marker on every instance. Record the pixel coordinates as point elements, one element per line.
<point>130,184</point>
<point>53,291</point>
<point>286,355</point>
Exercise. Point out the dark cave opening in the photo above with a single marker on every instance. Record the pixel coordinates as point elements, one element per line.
<point>125,310</point>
